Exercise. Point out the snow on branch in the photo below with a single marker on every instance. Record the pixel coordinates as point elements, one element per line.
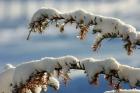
<point>94,67</point>
<point>107,27</point>
<point>124,91</point>
<point>35,76</point>
<point>114,72</point>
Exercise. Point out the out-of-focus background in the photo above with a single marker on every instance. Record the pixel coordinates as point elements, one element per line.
<point>14,48</point>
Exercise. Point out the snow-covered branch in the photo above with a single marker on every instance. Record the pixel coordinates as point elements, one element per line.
<point>115,73</point>
<point>107,27</point>
<point>124,91</point>
<point>35,76</point>
<point>94,67</point>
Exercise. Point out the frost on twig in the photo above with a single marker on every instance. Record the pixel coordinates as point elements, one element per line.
<point>108,27</point>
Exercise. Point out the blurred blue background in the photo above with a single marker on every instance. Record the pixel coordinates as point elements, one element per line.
<point>14,48</point>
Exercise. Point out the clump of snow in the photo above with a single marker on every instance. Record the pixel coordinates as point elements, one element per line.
<point>43,12</point>
<point>48,64</point>
<point>68,62</point>
<point>124,91</point>
<point>91,68</point>
<point>6,79</point>
<point>94,67</point>
<point>24,70</point>
<point>8,66</point>
<point>130,74</point>
<point>54,83</point>
<point>110,64</point>
<point>78,16</point>
<point>49,13</point>
<point>114,28</point>
<point>110,25</point>
<point>113,25</point>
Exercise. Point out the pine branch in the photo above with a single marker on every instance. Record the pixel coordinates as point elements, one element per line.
<point>38,19</point>
<point>112,28</point>
<point>115,73</point>
<point>38,75</point>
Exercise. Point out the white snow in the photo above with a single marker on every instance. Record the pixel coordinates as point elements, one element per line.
<point>116,26</point>
<point>48,64</point>
<point>102,24</point>
<point>105,24</point>
<point>127,73</point>
<point>130,74</point>
<point>79,15</point>
<point>93,66</point>
<point>110,64</point>
<point>6,80</point>
<point>124,91</point>
<point>54,83</point>
<point>12,76</point>
<point>76,15</point>
<point>39,14</point>
<point>8,66</point>
<point>67,62</point>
